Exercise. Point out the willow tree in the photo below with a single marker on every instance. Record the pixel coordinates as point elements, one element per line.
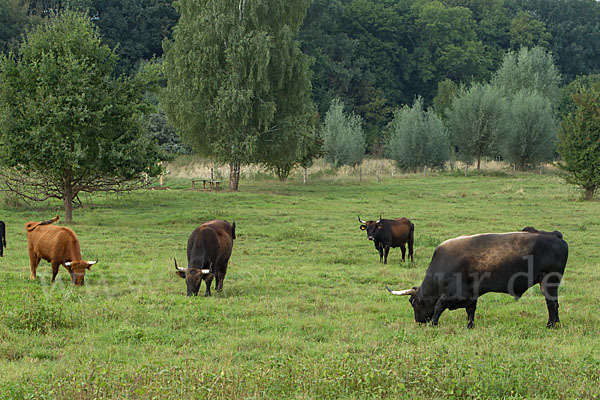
<point>67,125</point>
<point>237,82</point>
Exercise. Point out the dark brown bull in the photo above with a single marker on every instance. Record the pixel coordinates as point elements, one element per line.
<point>208,250</point>
<point>57,245</point>
<point>386,233</point>
<point>465,268</point>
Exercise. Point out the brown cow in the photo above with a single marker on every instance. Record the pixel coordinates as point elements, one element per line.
<point>57,245</point>
<point>209,248</point>
<point>386,233</point>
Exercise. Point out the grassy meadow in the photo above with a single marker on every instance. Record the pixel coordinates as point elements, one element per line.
<point>304,313</point>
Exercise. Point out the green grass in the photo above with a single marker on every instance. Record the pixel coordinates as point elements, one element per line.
<point>304,313</point>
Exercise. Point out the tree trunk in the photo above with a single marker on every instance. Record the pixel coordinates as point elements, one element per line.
<point>466,169</point>
<point>589,193</point>
<point>234,175</point>
<point>304,175</point>
<point>68,200</point>
<point>478,162</point>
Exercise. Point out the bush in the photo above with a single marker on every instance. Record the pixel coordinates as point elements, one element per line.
<point>418,139</point>
<point>528,130</point>
<point>343,136</point>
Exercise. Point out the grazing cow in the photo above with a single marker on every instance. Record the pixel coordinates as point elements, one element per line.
<point>208,250</point>
<point>2,238</point>
<point>464,268</point>
<point>386,233</point>
<point>57,245</point>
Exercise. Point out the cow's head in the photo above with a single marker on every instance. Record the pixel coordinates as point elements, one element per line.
<point>371,227</point>
<point>193,278</point>
<point>423,307</point>
<point>233,230</point>
<point>77,270</point>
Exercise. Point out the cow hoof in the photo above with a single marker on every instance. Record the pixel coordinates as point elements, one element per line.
<point>32,278</point>
<point>470,325</point>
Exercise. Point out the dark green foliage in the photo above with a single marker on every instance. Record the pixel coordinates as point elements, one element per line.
<point>566,104</point>
<point>579,144</point>
<point>418,139</point>
<point>528,132</point>
<point>343,136</point>
<point>67,126</point>
<point>135,28</point>
<point>164,134</point>
<point>13,23</point>
<point>527,31</point>
<point>442,102</point>
<point>575,37</point>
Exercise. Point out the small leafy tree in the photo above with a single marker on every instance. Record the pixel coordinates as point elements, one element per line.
<point>418,139</point>
<point>67,125</point>
<point>343,136</point>
<point>579,141</point>
<point>474,121</point>
<point>528,130</point>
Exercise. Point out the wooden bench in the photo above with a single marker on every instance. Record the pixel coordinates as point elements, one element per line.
<point>212,184</point>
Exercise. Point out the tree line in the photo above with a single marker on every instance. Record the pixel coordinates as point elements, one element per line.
<point>280,83</point>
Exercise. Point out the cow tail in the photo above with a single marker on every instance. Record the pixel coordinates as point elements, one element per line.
<point>32,226</point>
<point>3,236</point>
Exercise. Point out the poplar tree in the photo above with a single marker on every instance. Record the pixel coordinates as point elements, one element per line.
<point>237,81</point>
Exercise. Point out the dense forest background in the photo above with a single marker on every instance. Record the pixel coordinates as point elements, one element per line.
<point>374,55</point>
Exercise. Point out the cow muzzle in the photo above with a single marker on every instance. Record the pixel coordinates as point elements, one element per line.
<point>370,238</point>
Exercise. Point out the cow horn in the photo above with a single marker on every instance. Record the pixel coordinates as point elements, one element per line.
<point>176,267</point>
<point>205,271</point>
<point>361,221</point>
<point>93,262</point>
<point>379,220</point>
<point>68,264</point>
<point>407,292</point>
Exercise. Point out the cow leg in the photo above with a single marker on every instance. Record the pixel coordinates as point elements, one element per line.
<point>440,306</point>
<point>549,288</point>
<point>471,314</point>
<point>387,250</point>
<point>34,261</point>
<point>208,282</point>
<point>379,247</point>
<point>410,249</point>
<point>55,267</point>
<point>403,248</point>
<point>219,283</point>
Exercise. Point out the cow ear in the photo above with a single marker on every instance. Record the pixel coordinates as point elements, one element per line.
<point>181,273</point>
<point>363,227</point>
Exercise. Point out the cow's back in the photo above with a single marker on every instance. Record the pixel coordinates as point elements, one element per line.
<point>498,262</point>
<point>223,232</point>
<point>400,229</point>
<point>203,248</point>
<point>57,243</point>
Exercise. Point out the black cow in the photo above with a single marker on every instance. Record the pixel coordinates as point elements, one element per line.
<point>2,238</point>
<point>208,250</point>
<point>464,268</point>
<point>386,233</point>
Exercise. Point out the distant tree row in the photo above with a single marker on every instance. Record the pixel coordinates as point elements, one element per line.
<point>378,55</point>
